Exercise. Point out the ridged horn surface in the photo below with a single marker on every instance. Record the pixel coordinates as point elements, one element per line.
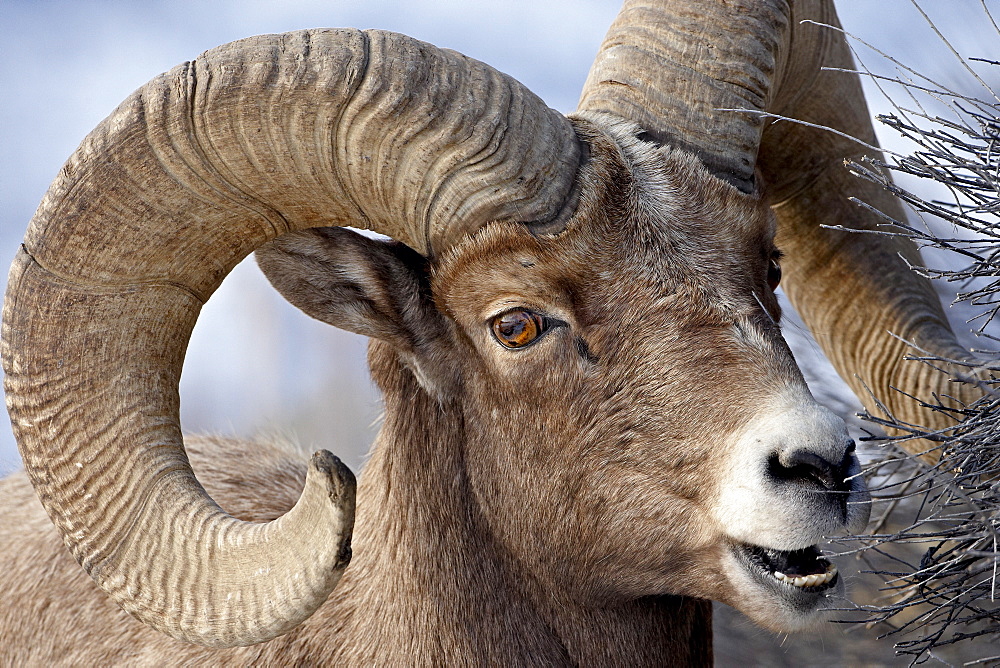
<point>856,292</point>
<point>670,66</point>
<point>189,175</point>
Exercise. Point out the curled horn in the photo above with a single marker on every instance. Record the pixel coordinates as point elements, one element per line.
<point>189,175</point>
<point>675,67</point>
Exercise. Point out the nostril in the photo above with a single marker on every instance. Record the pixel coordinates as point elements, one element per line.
<point>802,465</point>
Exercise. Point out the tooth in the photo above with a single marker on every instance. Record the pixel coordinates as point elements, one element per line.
<point>799,581</point>
<point>781,576</point>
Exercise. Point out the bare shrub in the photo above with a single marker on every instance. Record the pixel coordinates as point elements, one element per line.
<point>936,525</point>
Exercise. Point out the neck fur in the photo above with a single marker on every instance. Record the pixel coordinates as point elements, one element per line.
<point>428,583</point>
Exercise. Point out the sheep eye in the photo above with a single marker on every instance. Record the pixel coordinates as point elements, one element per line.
<point>774,272</point>
<point>518,328</point>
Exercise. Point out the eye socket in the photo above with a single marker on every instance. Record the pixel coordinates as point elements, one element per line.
<point>518,328</point>
<point>774,271</point>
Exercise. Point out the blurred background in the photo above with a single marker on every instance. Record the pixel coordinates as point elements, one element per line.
<point>255,364</point>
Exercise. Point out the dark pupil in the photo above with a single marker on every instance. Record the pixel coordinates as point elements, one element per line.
<point>774,274</point>
<point>513,326</point>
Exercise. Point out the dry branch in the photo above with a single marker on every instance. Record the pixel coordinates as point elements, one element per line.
<point>937,527</point>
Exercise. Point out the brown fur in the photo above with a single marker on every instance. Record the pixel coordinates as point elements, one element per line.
<point>544,506</point>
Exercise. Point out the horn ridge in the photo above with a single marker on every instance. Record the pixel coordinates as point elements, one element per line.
<point>671,66</point>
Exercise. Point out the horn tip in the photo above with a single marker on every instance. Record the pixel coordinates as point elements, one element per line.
<point>336,476</point>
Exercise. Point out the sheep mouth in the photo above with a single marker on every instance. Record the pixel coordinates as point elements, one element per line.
<point>792,573</point>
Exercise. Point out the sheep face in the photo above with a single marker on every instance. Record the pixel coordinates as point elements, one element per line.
<point>643,434</point>
<point>634,424</point>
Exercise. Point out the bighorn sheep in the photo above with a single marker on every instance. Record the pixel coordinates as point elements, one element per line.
<point>592,423</point>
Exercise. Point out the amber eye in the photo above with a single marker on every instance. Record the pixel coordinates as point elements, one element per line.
<point>518,328</point>
<point>774,272</point>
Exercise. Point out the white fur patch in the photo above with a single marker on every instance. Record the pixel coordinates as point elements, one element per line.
<point>754,507</point>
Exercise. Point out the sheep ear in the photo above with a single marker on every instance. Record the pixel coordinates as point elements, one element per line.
<point>367,286</point>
